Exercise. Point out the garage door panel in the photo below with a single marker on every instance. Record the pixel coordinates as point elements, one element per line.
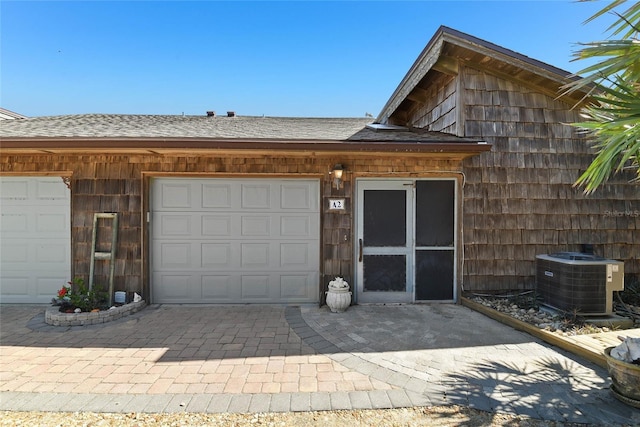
<point>294,255</point>
<point>255,226</point>
<point>217,225</point>
<point>249,241</point>
<point>54,253</point>
<point>26,221</point>
<point>255,255</point>
<point>297,196</point>
<point>176,225</point>
<point>173,287</point>
<point>51,223</point>
<point>297,287</point>
<point>14,253</point>
<point>256,196</point>
<point>217,196</point>
<point>47,287</point>
<point>15,188</point>
<point>296,226</point>
<point>216,255</point>
<point>13,223</point>
<point>27,253</point>
<point>176,195</point>
<point>255,287</point>
<point>176,255</point>
<point>35,246</point>
<point>217,287</point>
<point>29,287</point>
<point>16,286</point>
<point>33,190</point>
<point>50,189</point>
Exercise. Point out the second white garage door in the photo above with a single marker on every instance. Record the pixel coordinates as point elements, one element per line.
<point>35,238</point>
<point>234,240</point>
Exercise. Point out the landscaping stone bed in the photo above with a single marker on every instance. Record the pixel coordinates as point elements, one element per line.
<point>525,308</point>
<point>54,317</point>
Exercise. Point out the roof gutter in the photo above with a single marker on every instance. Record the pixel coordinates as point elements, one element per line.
<point>14,145</point>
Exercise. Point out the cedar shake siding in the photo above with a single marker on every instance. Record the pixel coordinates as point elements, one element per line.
<point>519,199</point>
<point>440,109</point>
<point>119,182</point>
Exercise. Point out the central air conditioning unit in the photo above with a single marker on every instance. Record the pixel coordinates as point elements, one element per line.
<point>574,281</point>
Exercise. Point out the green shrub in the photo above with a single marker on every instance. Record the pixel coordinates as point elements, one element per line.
<point>77,295</point>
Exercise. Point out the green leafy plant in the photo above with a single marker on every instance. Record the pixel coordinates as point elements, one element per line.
<point>612,119</point>
<point>76,295</point>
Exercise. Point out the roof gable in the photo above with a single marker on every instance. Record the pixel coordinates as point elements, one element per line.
<point>449,48</point>
<point>10,115</point>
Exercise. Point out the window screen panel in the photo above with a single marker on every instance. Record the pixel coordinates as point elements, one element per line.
<point>385,217</point>
<point>435,213</point>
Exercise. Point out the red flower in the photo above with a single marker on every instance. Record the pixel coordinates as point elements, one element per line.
<point>62,292</point>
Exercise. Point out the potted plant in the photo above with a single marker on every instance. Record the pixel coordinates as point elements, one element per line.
<point>623,364</point>
<point>338,295</point>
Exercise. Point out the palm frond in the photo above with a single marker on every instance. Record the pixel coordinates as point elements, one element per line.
<point>612,118</point>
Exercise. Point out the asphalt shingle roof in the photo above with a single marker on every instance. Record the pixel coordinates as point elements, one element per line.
<point>221,128</point>
<point>158,126</point>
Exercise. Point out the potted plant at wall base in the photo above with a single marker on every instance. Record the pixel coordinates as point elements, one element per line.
<point>338,295</point>
<point>623,364</point>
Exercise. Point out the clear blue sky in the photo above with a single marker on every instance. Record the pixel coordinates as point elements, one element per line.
<point>299,58</point>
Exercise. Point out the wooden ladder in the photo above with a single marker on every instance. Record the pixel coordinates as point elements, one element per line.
<point>108,256</point>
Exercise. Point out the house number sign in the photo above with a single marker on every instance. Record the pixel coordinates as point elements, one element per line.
<point>336,204</point>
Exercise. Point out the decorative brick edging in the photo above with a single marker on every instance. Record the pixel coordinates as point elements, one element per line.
<point>54,317</point>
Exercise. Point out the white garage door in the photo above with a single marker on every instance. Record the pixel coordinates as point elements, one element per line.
<point>235,240</point>
<point>35,242</point>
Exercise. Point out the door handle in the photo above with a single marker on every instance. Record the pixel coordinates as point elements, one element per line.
<point>360,251</point>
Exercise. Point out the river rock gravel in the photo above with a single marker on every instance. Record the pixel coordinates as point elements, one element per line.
<point>524,309</point>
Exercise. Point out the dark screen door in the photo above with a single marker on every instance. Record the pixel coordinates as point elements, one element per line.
<point>435,236</point>
<point>385,241</point>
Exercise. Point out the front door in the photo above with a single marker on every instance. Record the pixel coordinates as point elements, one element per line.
<point>405,241</point>
<point>385,234</point>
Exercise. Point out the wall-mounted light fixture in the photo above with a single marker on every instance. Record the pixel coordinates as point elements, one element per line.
<point>337,174</point>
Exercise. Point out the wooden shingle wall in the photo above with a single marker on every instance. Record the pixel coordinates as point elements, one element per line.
<point>114,183</point>
<point>519,198</point>
<point>439,111</point>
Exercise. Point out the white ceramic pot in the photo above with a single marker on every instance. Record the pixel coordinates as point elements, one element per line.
<point>338,300</point>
